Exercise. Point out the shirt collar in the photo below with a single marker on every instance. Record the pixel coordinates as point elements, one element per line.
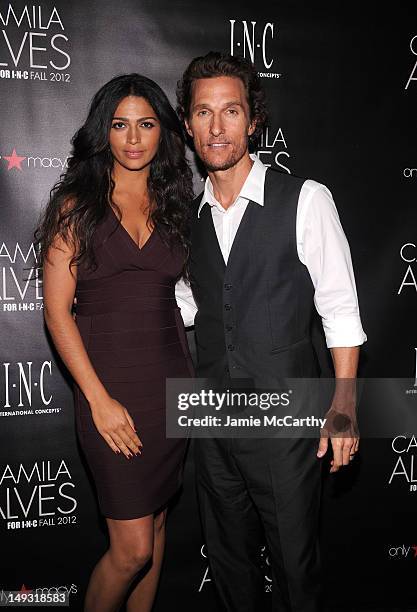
<point>252,189</point>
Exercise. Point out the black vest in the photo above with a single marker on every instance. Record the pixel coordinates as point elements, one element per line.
<point>255,313</point>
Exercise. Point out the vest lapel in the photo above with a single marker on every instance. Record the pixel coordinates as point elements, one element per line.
<point>208,237</point>
<point>243,234</point>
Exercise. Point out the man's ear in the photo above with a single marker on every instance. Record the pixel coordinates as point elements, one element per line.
<point>252,127</point>
<point>187,127</point>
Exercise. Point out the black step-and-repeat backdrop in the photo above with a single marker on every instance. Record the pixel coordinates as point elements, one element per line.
<point>341,81</point>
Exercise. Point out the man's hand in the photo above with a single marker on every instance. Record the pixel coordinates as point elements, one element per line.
<point>341,422</point>
<point>344,450</point>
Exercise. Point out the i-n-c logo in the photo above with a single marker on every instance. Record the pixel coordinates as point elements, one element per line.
<point>254,40</point>
<point>23,384</point>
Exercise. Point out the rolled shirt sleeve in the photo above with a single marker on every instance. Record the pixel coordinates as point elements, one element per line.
<point>323,247</point>
<point>186,303</point>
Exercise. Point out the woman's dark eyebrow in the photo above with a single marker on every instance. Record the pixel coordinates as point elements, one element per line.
<point>140,119</point>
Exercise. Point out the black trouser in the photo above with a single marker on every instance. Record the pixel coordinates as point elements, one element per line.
<point>252,490</point>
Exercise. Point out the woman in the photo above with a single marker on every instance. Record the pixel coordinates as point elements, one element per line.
<point>114,237</point>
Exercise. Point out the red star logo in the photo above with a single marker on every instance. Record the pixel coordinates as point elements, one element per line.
<point>14,160</point>
<point>23,589</point>
<point>414,547</point>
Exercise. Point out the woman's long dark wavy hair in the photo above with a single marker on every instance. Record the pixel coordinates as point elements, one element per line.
<point>81,197</point>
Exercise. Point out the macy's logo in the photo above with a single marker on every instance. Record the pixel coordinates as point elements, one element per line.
<point>37,595</point>
<point>19,162</point>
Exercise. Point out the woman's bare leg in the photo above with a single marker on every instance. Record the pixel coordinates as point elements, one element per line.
<point>143,595</point>
<point>131,546</point>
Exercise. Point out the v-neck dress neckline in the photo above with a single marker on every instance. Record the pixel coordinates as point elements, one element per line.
<point>131,240</point>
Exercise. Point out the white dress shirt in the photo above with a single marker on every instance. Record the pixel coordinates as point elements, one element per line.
<point>321,246</point>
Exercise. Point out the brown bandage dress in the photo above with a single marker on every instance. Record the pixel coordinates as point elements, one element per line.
<point>133,332</point>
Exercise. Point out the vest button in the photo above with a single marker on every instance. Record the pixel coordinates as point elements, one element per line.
<point>227,286</point>
<point>230,347</point>
<point>229,328</point>
<point>227,307</point>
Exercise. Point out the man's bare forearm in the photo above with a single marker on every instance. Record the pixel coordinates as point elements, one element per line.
<point>345,361</point>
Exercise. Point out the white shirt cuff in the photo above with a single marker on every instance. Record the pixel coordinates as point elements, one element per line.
<point>187,313</point>
<point>186,302</point>
<point>344,331</point>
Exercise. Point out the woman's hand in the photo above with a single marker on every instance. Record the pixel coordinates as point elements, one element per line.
<point>115,424</point>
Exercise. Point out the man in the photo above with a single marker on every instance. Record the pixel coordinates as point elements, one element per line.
<point>266,248</point>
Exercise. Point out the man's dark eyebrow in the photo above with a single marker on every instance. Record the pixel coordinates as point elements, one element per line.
<point>140,119</point>
<point>231,103</point>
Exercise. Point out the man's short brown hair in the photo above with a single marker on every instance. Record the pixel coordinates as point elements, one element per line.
<point>216,64</point>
